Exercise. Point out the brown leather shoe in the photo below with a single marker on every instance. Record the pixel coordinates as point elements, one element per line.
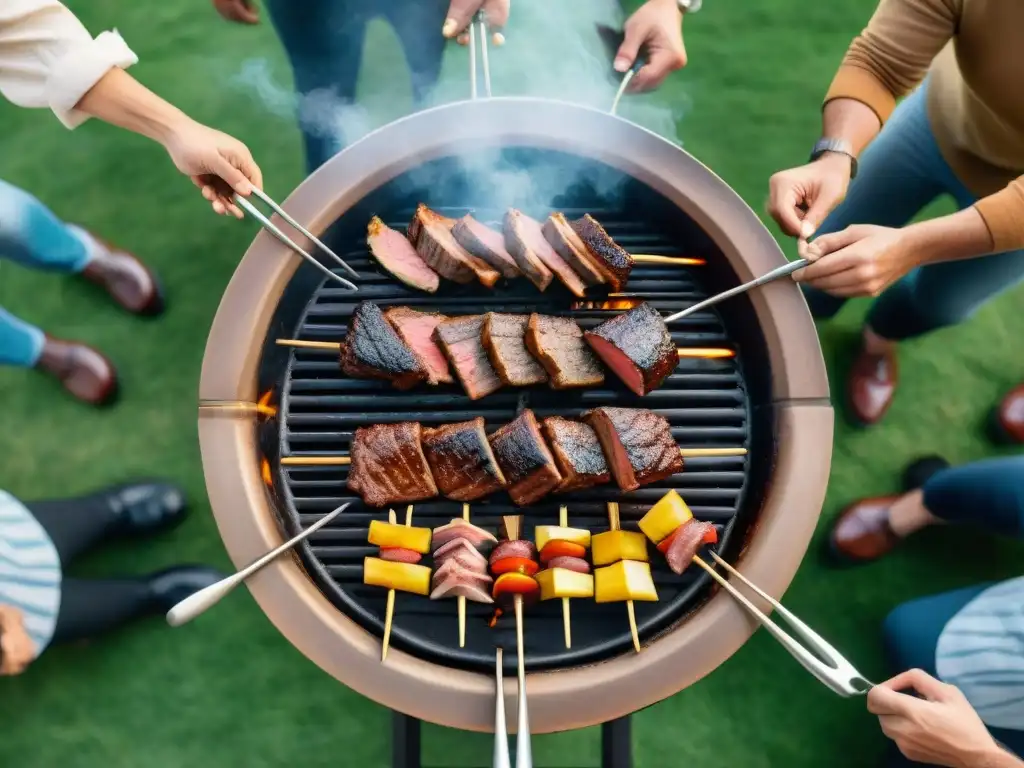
<point>128,281</point>
<point>84,372</point>
<point>1010,416</point>
<point>871,386</point>
<point>861,533</point>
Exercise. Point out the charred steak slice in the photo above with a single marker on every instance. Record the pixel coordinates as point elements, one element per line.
<point>395,254</point>
<point>388,465</point>
<point>577,452</point>
<point>416,329</point>
<point>504,338</point>
<point>461,460</point>
<point>614,261</point>
<point>431,233</point>
<point>525,459</point>
<point>558,343</point>
<point>637,443</point>
<point>529,263</point>
<point>637,346</point>
<point>373,350</point>
<point>528,246</point>
<point>484,243</point>
<point>567,244</point>
<point>459,339</point>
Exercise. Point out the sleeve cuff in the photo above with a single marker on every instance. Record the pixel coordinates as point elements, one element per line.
<point>852,82</point>
<point>79,69</point>
<point>1003,213</point>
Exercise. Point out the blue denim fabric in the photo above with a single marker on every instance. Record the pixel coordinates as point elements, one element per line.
<point>901,172</point>
<point>32,236</point>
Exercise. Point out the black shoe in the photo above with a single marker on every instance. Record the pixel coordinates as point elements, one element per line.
<point>169,587</point>
<point>144,507</point>
<point>920,471</point>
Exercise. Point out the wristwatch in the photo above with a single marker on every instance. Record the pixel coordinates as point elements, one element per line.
<point>839,147</point>
<point>689,6</point>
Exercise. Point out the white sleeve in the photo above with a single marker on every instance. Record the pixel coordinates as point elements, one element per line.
<point>49,60</point>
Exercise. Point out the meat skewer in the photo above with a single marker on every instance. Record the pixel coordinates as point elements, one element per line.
<point>461,460</point>
<point>562,550</point>
<point>637,346</point>
<point>525,459</point>
<point>460,569</point>
<point>401,549</point>
<point>622,572</point>
<point>431,235</point>
<point>671,526</point>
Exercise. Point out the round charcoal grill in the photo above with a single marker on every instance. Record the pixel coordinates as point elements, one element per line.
<point>771,398</point>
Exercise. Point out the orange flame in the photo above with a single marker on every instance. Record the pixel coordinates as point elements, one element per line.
<point>263,405</point>
<point>709,353</point>
<point>622,303</point>
<point>265,473</point>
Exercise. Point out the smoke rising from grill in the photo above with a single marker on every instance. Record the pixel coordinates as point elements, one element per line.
<point>552,51</point>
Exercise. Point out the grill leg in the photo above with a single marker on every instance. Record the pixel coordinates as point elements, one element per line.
<point>405,741</point>
<point>617,744</point>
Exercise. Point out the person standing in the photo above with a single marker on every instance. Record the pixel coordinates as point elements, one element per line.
<point>959,133</point>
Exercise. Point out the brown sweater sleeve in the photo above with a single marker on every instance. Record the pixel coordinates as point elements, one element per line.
<point>1003,213</point>
<point>894,52</point>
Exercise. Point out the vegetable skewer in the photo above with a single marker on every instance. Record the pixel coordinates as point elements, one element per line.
<point>567,574</point>
<point>342,461</point>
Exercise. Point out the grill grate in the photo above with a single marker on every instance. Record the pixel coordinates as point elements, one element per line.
<point>706,401</point>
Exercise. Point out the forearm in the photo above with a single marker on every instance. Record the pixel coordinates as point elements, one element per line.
<point>121,100</point>
<point>999,759</point>
<point>962,235</point>
<point>850,120</point>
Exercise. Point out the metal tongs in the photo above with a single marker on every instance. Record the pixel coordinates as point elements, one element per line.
<point>524,753</point>
<point>479,23</point>
<point>272,228</point>
<point>819,657</point>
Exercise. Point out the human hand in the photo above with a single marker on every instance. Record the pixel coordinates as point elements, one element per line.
<point>461,13</point>
<point>242,11</point>
<point>217,163</point>
<point>657,27</point>
<point>940,729</point>
<point>816,188</point>
<point>862,260</point>
<point>16,647</point>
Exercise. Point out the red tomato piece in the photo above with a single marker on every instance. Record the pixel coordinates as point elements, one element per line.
<point>559,548</point>
<point>521,565</point>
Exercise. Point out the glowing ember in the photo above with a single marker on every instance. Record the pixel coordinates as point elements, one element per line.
<point>709,353</point>
<point>264,407</point>
<point>268,478</point>
<point>611,304</point>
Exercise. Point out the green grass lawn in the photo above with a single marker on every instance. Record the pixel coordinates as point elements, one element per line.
<point>229,690</point>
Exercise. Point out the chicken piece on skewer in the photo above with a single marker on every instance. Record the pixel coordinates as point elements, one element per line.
<point>458,572</point>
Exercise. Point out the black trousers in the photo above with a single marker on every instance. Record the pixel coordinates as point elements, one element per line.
<point>88,607</point>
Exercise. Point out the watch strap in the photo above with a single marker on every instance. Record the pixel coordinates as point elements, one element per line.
<point>838,146</point>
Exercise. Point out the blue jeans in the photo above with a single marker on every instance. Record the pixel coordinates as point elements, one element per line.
<point>901,172</point>
<point>324,43</point>
<point>32,236</point>
<point>989,493</point>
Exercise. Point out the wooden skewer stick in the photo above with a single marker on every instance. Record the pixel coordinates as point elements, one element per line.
<point>563,520</point>
<point>613,525</point>
<point>341,461</point>
<point>389,614</point>
<point>652,258</point>
<point>461,598</point>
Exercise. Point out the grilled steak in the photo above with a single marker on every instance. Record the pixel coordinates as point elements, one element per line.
<point>431,233</point>
<point>558,343</point>
<point>416,329</point>
<point>461,460</point>
<point>636,345</point>
<point>396,255</point>
<point>567,244</point>
<point>459,528</point>
<point>388,465</point>
<point>577,452</point>
<point>686,542</point>
<point>613,261</point>
<point>529,263</point>
<point>637,443</point>
<point>459,339</point>
<point>503,337</point>
<point>373,350</point>
<point>484,243</point>
<point>525,241</point>
<point>525,459</point>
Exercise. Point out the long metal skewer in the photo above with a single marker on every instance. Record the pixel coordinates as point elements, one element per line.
<point>501,757</point>
<point>481,24</point>
<point>209,596</point>
<point>524,752</point>
<point>775,274</point>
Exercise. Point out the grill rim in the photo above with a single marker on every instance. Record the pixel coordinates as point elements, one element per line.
<point>461,699</point>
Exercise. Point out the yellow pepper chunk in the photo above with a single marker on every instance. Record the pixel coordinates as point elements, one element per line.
<point>665,516</point>
<point>390,535</point>
<point>561,582</point>
<point>546,533</point>
<point>610,546</point>
<point>405,577</point>
<point>626,580</point>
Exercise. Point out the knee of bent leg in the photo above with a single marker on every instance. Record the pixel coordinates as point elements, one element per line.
<point>15,209</point>
<point>907,639</point>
